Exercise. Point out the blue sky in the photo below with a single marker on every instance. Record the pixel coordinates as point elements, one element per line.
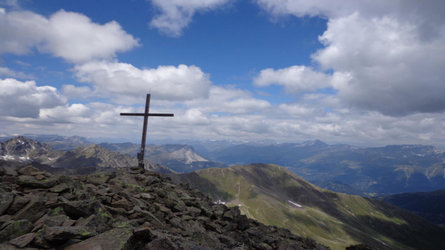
<point>358,72</point>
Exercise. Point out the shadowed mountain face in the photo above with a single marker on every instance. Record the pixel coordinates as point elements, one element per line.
<point>82,160</point>
<point>429,205</point>
<point>275,196</point>
<point>343,168</point>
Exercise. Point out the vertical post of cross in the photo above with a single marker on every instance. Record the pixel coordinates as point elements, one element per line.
<point>144,132</point>
<point>146,114</point>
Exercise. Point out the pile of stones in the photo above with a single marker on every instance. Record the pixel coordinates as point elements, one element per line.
<point>124,209</point>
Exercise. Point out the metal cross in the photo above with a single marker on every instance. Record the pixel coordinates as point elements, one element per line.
<point>146,114</point>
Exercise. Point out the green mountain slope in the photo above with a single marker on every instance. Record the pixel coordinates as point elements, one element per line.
<point>342,168</point>
<point>275,196</point>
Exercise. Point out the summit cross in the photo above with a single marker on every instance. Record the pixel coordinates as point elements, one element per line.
<point>146,114</point>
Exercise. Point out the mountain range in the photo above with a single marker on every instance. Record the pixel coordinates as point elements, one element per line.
<point>180,158</point>
<point>275,196</point>
<point>86,159</point>
<point>268,193</point>
<point>374,171</point>
<point>344,168</point>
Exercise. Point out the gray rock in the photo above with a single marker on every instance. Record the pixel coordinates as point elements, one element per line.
<point>23,240</point>
<point>6,200</point>
<point>114,239</point>
<point>14,229</point>
<point>31,181</point>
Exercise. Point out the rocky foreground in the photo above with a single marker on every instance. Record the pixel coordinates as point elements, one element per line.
<point>124,209</point>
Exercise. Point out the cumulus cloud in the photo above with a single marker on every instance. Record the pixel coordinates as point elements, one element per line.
<point>69,35</point>
<point>229,100</point>
<point>175,15</point>
<point>72,91</point>
<point>295,79</point>
<point>26,99</point>
<point>123,82</point>
<point>6,72</point>
<point>386,55</point>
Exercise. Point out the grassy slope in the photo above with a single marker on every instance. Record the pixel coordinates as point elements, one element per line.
<point>337,220</point>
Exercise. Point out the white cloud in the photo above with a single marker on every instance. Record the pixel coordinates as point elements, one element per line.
<point>124,83</point>
<point>295,79</point>
<point>392,69</point>
<point>175,15</point>
<point>386,56</point>
<point>69,35</point>
<point>6,72</point>
<point>229,100</point>
<point>72,91</point>
<point>25,99</point>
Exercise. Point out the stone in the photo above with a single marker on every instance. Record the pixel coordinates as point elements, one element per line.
<point>31,181</point>
<point>10,171</point>
<point>61,234</point>
<point>6,200</point>
<point>114,239</point>
<point>23,240</point>
<point>162,243</point>
<point>122,203</point>
<point>146,196</point>
<point>15,229</point>
<point>18,203</point>
<point>33,210</point>
<point>62,187</point>
<point>29,170</point>
<point>80,208</point>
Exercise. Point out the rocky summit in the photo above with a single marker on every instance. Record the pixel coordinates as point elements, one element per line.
<point>124,209</point>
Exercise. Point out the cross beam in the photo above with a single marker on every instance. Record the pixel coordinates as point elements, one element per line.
<point>146,114</point>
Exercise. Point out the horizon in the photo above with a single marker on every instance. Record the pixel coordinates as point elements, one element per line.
<point>366,73</point>
<point>186,142</point>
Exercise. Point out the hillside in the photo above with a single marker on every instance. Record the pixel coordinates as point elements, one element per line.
<point>429,205</point>
<point>343,168</point>
<point>124,209</point>
<point>275,196</point>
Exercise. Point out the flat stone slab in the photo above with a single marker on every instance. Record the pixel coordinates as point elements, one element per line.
<point>114,239</point>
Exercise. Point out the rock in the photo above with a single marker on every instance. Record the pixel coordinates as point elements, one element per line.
<point>243,222</point>
<point>18,203</point>
<point>29,170</point>
<point>59,188</point>
<point>31,181</point>
<point>14,229</point>
<point>118,211</point>
<point>81,208</point>
<point>122,203</point>
<point>6,200</point>
<point>146,196</point>
<point>61,234</point>
<point>10,171</point>
<point>162,243</point>
<point>114,239</point>
<point>23,240</point>
<point>33,210</point>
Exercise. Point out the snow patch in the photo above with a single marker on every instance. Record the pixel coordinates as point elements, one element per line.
<point>24,158</point>
<point>8,157</point>
<point>219,202</point>
<point>295,204</point>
